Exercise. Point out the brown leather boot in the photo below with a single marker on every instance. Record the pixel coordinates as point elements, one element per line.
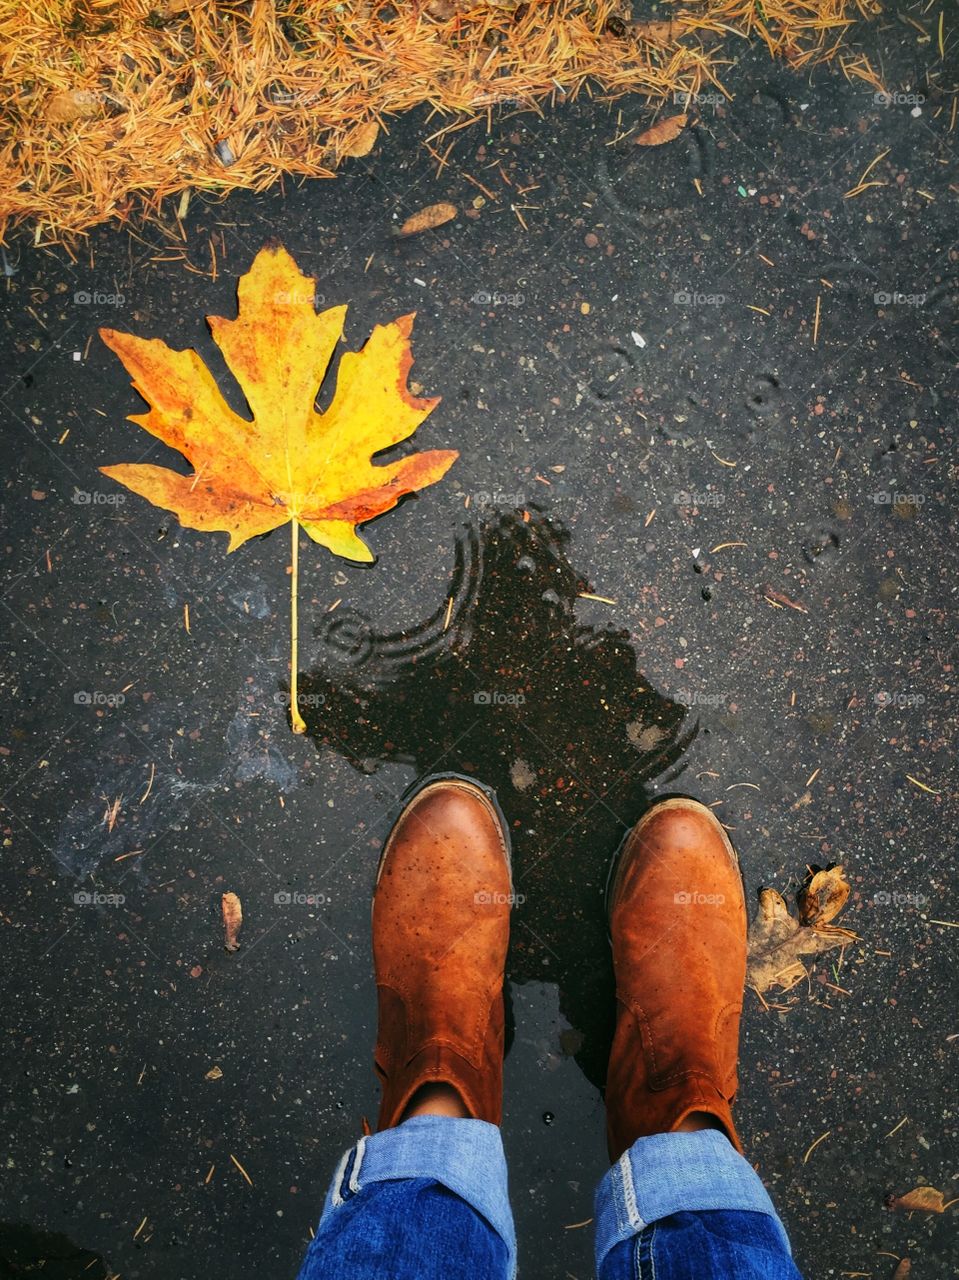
<point>440,929</point>
<point>678,924</point>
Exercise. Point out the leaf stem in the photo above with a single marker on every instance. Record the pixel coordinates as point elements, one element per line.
<point>296,720</point>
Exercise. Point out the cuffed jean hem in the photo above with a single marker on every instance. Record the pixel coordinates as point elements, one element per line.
<point>465,1156</point>
<point>671,1173</point>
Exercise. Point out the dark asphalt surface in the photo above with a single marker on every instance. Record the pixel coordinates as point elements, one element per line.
<point>768,521</point>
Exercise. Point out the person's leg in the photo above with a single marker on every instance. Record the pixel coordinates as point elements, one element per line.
<point>425,1198</point>
<point>680,1201</point>
<point>423,1201</point>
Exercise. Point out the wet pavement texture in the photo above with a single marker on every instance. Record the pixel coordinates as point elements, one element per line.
<point>698,540</point>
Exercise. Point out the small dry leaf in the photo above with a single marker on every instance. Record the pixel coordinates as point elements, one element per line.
<point>215,1073</point>
<point>903,1270</point>
<point>921,1200</point>
<point>434,215</point>
<point>443,10</point>
<point>777,939</point>
<point>232,919</point>
<point>362,139</point>
<point>823,896</point>
<point>73,104</point>
<point>662,131</point>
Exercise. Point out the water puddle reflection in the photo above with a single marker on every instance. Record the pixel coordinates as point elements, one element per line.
<point>26,1250</point>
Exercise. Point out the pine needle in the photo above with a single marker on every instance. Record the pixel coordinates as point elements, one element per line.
<point>215,97</point>
<point>822,1138</point>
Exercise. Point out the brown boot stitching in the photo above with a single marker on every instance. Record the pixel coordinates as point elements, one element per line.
<point>474,1049</point>
<point>663,1082</point>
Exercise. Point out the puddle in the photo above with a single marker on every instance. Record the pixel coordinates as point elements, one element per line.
<point>25,1250</point>
<point>554,714</point>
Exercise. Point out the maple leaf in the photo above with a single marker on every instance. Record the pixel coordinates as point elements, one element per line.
<point>778,941</point>
<point>287,463</point>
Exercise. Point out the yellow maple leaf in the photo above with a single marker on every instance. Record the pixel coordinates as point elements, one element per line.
<point>288,463</point>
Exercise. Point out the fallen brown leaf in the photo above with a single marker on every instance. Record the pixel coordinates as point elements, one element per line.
<point>921,1200</point>
<point>662,131</point>
<point>232,919</point>
<point>215,1073</point>
<point>903,1270</point>
<point>823,896</point>
<point>362,140</point>
<point>73,104</point>
<point>777,940</point>
<point>434,215</point>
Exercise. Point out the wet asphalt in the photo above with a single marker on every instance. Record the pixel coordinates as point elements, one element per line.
<point>699,539</point>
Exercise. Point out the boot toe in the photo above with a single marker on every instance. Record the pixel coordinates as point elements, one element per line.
<point>458,815</point>
<point>682,826</point>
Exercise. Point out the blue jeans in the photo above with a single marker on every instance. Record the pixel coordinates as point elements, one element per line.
<point>428,1201</point>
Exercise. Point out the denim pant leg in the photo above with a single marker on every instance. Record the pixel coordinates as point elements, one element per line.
<point>424,1201</point>
<point>687,1206</point>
